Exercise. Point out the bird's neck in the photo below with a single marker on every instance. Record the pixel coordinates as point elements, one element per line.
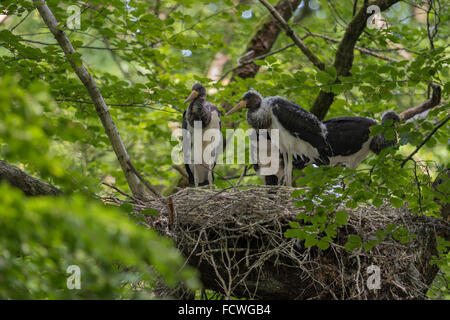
<point>259,118</point>
<point>198,104</point>
<point>198,111</point>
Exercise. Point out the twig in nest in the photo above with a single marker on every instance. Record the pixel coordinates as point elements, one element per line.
<point>171,211</point>
<point>121,192</point>
<point>244,172</point>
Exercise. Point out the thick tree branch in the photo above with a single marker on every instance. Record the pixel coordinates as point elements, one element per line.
<point>264,38</point>
<point>299,43</point>
<point>344,55</point>
<point>29,185</point>
<point>428,104</point>
<point>96,96</point>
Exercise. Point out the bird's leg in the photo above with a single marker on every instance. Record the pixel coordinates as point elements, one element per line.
<point>281,180</point>
<point>196,182</point>
<point>210,176</point>
<point>289,170</point>
<point>286,169</point>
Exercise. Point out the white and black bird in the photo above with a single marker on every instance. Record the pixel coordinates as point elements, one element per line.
<point>202,115</point>
<point>350,140</point>
<point>300,132</point>
<point>258,165</point>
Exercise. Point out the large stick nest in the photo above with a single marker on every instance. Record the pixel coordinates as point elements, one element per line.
<point>235,238</point>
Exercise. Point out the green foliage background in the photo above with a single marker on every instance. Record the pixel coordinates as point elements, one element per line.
<point>49,128</point>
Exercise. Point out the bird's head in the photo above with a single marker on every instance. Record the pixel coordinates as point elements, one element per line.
<point>251,99</point>
<point>390,115</point>
<point>197,91</point>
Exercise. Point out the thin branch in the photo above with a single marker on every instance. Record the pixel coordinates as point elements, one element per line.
<point>424,141</point>
<point>431,31</point>
<point>180,170</point>
<point>238,176</point>
<point>336,15</point>
<point>419,190</point>
<point>22,20</point>
<point>200,21</point>
<point>121,191</point>
<point>244,172</point>
<point>290,33</point>
<point>360,49</point>
<point>261,57</point>
<point>355,4</point>
<point>131,105</point>
<point>143,180</point>
<point>81,47</point>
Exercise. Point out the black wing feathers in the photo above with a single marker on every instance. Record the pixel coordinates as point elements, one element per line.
<point>346,135</point>
<point>300,123</point>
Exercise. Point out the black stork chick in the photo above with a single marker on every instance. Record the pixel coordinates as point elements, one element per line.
<point>268,180</point>
<point>300,132</point>
<point>208,116</point>
<point>350,140</point>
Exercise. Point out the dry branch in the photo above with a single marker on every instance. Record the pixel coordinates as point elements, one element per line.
<point>94,92</point>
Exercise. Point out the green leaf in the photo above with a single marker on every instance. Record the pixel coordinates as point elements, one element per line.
<point>324,77</point>
<point>396,202</point>
<point>323,244</point>
<point>294,233</point>
<point>341,217</point>
<point>128,208</point>
<point>310,240</point>
<point>150,212</point>
<point>353,242</point>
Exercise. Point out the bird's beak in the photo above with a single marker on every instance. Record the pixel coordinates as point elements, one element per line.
<point>242,104</point>
<point>192,96</point>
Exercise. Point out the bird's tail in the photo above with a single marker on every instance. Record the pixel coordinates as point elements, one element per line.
<point>300,162</point>
<point>379,142</point>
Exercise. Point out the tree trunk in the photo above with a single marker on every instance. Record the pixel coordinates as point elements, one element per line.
<point>265,37</point>
<point>96,96</point>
